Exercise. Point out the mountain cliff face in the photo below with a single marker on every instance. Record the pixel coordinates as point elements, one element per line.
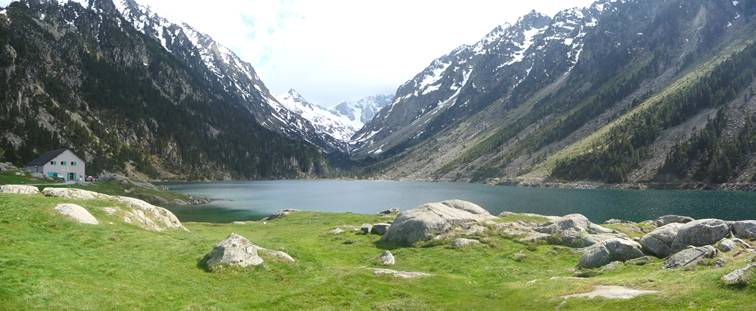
<point>621,91</point>
<point>132,92</point>
<point>234,75</point>
<point>339,128</point>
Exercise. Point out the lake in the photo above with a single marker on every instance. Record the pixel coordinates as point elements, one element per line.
<point>238,201</point>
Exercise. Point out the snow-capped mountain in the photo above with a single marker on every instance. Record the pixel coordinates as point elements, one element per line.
<point>232,73</point>
<point>510,60</point>
<point>363,110</point>
<point>325,121</point>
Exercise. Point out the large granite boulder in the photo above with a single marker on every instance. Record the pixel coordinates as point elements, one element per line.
<point>605,252</point>
<point>148,216</point>
<point>672,219</point>
<point>574,230</point>
<point>432,219</point>
<point>380,229</point>
<point>19,189</point>
<point>659,241</point>
<point>700,232</point>
<point>690,256</point>
<point>234,251</point>
<point>76,213</point>
<point>745,229</point>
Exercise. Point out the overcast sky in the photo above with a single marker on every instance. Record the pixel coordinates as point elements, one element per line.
<point>335,50</point>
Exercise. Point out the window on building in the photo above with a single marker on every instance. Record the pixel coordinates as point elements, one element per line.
<point>52,162</point>
<point>63,163</point>
<point>73,163</point>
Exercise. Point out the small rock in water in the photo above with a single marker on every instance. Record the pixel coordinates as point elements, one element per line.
<point>741,276</point>
<point>462,242</point>
<point>690,256</point>
<point>387,258</point>
<point>77,213</point>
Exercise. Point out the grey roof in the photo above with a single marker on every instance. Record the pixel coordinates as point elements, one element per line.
<point>46,157</point>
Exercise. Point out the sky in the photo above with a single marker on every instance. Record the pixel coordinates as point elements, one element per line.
<point>336,50</point>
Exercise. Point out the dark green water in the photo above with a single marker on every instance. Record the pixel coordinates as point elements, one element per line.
<point>253,200</point>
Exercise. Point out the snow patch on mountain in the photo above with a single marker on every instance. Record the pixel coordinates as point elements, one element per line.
<point>337,126</point>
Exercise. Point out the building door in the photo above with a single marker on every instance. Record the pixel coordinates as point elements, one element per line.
<point>71,176</point>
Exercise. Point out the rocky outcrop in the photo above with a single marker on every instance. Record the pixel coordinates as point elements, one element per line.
<point>74,194</point>
<point>672,219</point>
<point>366,228</point>
<point>745,229</point>
<point>742,276</point>
<point>19,189</point>
<point>234,251</point>
<point>76,213</point>
<point>612,292</point>
<point>149,216</point>
<point>387,258</point>
<point>605,252</point>
<point>659,242</point>
<point>700,233</point>
<point>575,230</point>
<point>432,219</point>
<point>690,256</point>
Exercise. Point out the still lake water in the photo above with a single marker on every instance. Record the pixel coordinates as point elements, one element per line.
<point>237,201</point>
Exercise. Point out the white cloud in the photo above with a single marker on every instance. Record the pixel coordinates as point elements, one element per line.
<point>332,50</point>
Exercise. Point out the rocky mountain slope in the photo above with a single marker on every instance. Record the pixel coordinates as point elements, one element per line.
<point>620,91</point>
<point>338,127</point>
<point>132,92</point>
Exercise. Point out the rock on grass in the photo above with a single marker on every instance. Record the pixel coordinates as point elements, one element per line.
<point>76,213</point>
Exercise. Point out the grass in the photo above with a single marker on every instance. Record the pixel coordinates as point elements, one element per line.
<point>48,262</point>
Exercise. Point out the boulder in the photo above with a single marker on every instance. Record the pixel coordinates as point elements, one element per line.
<point>741,276</point>
<point>432,219</point>
<point>575,231</point>
<point>615,249</point>
<point>366,228</point>
<point>745,229</point>
<point>148,216</point>
<point>19,189</point>
<point>77,213</point>
<point>659,242</point>
<point>109,210</point>
<point>387,258</point>
<point>699,233</point>
<point>74,194</point>
<point>462,242</point>
<point>726,245</point>
<point>380,229</point>
<point>672,219</point>
<point>283,256</point>
<point>614,221</point>
<point>690,256</point>
<point>234,251</point>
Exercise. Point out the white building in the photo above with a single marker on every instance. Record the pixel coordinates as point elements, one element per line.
<point>60,163</point>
